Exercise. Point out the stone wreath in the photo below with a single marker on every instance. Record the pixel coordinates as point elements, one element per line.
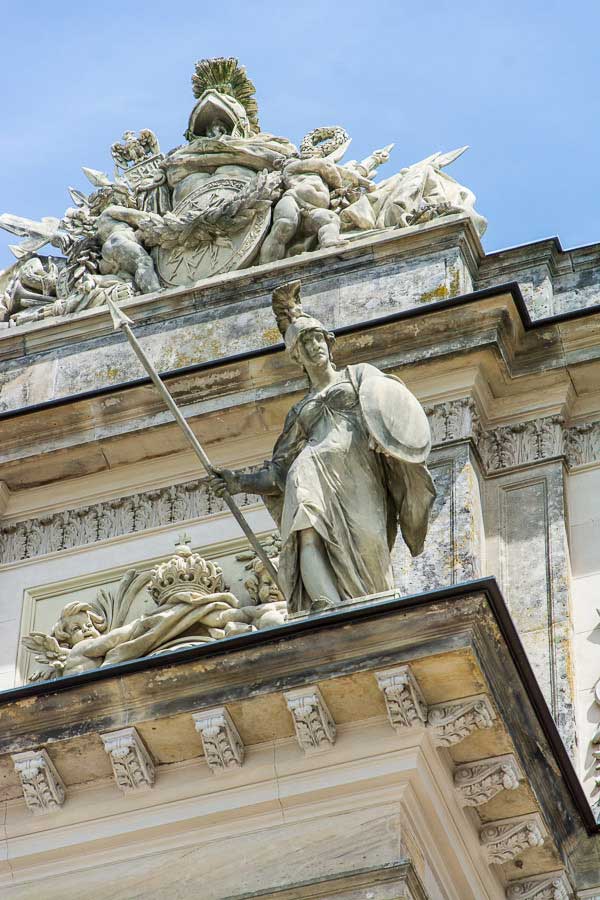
<point>323,141</point>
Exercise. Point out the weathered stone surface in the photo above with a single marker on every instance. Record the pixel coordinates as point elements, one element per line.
<point>403,698</point>
<point>223,747</point>
<point>313,723</point>
<point>526,513</point>
<point>478,782</point>
<point>43,788</point>
<point>132,765</point>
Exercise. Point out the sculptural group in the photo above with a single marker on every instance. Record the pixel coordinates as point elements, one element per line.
<point>230,197</point>
<point>191,607</point>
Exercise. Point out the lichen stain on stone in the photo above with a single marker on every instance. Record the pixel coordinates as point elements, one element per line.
<point>271,336</point>
<point>449,288</point>
<point>439,293</point>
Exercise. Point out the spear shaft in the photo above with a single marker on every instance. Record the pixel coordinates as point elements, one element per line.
<point>124,323</point>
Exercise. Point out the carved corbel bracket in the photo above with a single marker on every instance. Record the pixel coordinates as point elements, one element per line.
<point>508,838</point>
<point>455,720</point>
<point>223,747</point>
<point>313,723</point>
<point>479,781</point>
<point>551,886</point>
<point>132,765</point>
<point>43,788</point>
<point>403,698</point>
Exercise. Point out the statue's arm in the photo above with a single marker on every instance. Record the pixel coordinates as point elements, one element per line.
<point>100,646</point>
<point>133,217</point>
<point>270,479</point>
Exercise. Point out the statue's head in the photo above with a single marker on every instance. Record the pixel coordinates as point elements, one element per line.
<point>260,585</point>
<point>306,339</point>
<point>225,98</point>
<point>128,136</point>
<point>217,129</point>
<point>78,621</point>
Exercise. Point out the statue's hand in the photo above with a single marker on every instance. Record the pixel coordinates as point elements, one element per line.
<point>224,480</point>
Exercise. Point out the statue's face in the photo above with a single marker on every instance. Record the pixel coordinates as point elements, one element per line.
<point>80,627</point>
<point>217,129</point>
<point>267,591</point>
<point>313,349</point>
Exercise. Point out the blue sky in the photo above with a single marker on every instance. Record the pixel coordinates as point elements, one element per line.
<point>517,81</point>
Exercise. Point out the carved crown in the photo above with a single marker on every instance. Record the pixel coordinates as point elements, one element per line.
<point>186,571</point>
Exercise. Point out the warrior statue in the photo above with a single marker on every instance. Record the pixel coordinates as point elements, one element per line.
<point>348,468</point>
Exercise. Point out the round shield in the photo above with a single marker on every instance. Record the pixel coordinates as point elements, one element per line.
<point>395,418</point>
<point>218,249</point>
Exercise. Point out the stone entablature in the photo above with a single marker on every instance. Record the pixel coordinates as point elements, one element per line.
<point>337,681</point>
<point>500,448</point>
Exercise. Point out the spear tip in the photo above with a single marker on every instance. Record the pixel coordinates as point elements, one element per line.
<point>117,315</point>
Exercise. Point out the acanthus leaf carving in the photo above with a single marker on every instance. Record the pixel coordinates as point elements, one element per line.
<point>477,782</point>
<point>43,788</point>
<point>551,886</point>
<point>453,721</point>
<point>223,746</point>
<point>313,723</point>
<point>131,763</point>
<point>404,701</point>
<point>507,839</point>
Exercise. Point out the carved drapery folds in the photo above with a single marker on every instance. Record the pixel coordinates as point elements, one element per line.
<point>214,205</point>
<point>132,765</point>
<point>43,788</point>
<point>223,746</point>
<point>507,839</point>
<point>313,723</point>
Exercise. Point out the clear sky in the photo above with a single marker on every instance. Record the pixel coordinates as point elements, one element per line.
<point>517,81</point>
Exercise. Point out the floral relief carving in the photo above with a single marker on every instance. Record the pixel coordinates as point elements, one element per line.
<point>478,782</point>
<point>452,722</point>
<point>509,838</point>
<point>313,723</point>
<point>43,789</point>
<point>132,765</point>
<point>551,886</point>
<point>403,698</point>
<point>223,746</point>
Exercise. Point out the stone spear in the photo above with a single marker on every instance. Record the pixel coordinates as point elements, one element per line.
<point>124,323</point>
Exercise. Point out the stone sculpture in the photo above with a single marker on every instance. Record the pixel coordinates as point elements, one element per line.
<point>348,467</point>
<point>192,608</point>
<point>228,198</point>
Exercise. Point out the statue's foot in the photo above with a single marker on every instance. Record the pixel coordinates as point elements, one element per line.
<point>322,604</point>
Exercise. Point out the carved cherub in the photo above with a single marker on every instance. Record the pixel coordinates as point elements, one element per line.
<point>192,608</point>
<point>116,224</point>
<point>78,627</point>
<point>270,606</point>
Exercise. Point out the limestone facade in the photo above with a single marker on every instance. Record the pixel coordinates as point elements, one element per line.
<point>412,731</point>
